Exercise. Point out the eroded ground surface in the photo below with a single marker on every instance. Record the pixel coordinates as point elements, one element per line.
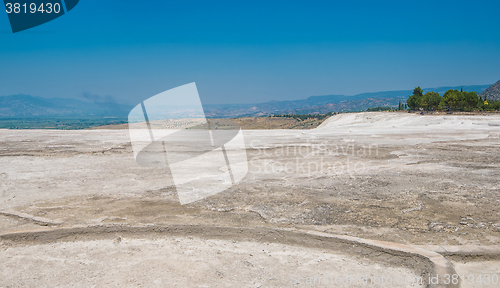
<point>185,262</point>
<point>397,177</point>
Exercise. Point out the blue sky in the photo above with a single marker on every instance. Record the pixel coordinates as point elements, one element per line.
<point>252,51</point>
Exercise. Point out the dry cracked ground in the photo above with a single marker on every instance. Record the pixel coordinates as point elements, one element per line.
<point>397,177</point>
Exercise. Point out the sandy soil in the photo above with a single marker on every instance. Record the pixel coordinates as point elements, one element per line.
<point>478,274</point>
<point>245,123</point>
<point>183,262</point>
<point>397,177</point>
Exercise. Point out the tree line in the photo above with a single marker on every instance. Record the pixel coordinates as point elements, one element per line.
<point>380,108</point>
<point>451,100</point>
<point>302,117</point>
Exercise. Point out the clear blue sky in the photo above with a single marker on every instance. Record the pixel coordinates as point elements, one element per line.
<point>252,51</point>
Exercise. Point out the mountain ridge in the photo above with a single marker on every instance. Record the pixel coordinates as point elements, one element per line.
<point>492,92</point>
<point>27,106</point>
<point>327,103</point>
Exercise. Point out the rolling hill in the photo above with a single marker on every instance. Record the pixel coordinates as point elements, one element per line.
<point>326,103</point>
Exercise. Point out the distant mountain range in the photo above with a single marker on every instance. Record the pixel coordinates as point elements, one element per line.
<point>26,106</point>
<point>326,103</point>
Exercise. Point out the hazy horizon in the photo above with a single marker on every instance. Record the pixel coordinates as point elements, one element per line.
<point>114,100</point>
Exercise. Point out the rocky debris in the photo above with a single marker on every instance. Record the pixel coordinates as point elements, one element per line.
<point>222,209</point>
<point>39,220</point>
<point>418,208</point>
<point>436,226</point>
<point>496,227</point>
<point>109,218</point>
<point>262,211</point>
<point>481,225</point>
